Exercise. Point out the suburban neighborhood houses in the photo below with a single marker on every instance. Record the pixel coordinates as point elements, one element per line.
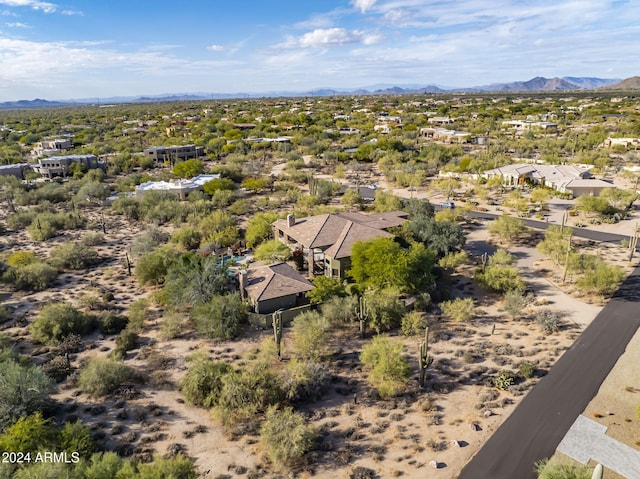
<point>336,286</point>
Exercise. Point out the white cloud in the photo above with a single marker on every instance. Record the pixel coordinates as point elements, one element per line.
<point>18,25</point>
<point>363,5</point>
<point>216,48</point>
<point>328,37</point>
<point>46,7</point>
<point>72,12</point>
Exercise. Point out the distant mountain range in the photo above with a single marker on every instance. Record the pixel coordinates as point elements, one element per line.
<point>537,84</point>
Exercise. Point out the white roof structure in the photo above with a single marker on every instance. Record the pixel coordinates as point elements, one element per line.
<point>177,186</point>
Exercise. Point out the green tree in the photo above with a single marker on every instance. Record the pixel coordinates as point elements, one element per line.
<point>76,437</point>
<point>188,168</point>
<point>443,237</point>
<point>152,267</point>
<point>459,309</point>
<point>259,228</point>
<point>508,228</point>
<point>555,243</point>
<point>382,262</point>
<point>194,279</point>
<point>56,321</point>
<point>187,238</point>
<point>386,202</point>
<point>219,227</point>
<point>389,369</point>
<point>29,435</point>
<point>218,184</point>
<point>452,261</point>
<point>325,288</point>
<point>273,251</point>
<point>221,317</point>
<point>285,437</point>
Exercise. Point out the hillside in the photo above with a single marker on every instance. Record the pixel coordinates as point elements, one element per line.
<point>632,83</point>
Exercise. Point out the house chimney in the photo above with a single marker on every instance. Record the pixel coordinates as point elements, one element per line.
<point>291,220</point>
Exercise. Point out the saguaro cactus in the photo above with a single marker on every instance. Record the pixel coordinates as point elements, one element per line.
<point>424,359</point>
<point>484,258</point>
<point>276,320</point>
<point>362,313</point>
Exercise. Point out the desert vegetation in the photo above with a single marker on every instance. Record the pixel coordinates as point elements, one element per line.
<point>125,339</point>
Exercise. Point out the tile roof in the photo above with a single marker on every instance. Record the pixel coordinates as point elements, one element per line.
<point>275,281</point>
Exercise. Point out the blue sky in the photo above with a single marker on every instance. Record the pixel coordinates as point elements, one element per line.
<point>95,48</point>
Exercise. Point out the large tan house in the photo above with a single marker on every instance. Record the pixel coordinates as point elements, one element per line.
<point>326,240</point>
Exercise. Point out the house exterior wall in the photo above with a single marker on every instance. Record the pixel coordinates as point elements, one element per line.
<point>336,268</point>
<point>169,153</point>
<point>271,305</point>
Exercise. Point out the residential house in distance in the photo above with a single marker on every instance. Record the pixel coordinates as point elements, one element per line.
<point>51,147</point>
<point>171,154</point>
<point>445,135</point>
<point>523,125</point>
<point>326,240</point>
<point>17,169</point>
<point>273,287</point>
<point>574,179</point>
<point>59,165</point>
<point>181,188</point>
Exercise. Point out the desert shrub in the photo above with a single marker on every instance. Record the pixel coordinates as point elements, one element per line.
<point>177,467</point>
<point>127,340</point>
<point>502,258</point>
<point>305,380</point>
<point>273,251</point>
<point>4,313</point>
<point>101,376</point>
<point>385,309</point>
<point>45,470</point>
<point>187,238</point>
<point>76,437</point>
<point>527,370</point>
<point>57,369</point>
<point>138,314</point>
<point>549,321</point>
<point>514,303</point>
<point>131,208</point>
<point>147,241</point>
<point>558,469</point>
<point>171,325</point>
<point>112,323</point>
<point>285,437</point>
<point>47,225</point>
<point>389,369</point>
<point>36,276</point>
<point>73,256</point>
<point>413,323</point>
<point>21,219</point>
<point>219,227</point>
<point>500,278</point>
<point>339,311</point>
<point>152,267</point>
<point>459,309</point>
<point>221,317</point>
<point>503,380</point>
<point>21,258</point>
<point>601,279</point>
<point>58,320</point>
<point>91,239</point>
<point>310,336</point>
<point>25,390</point>
<point>104,465</point>
<point>29,434</point>
<point>247,393</point>
<point>202,384</point>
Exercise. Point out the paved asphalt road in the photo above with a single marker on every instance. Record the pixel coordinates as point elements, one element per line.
<point>544,416</point>
<point>543,225</point>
